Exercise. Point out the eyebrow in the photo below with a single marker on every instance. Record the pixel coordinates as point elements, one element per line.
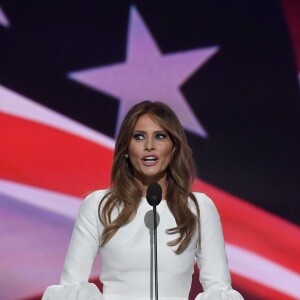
<point>142,131</point>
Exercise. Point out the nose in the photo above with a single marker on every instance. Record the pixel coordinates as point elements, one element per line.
<point>150,144</point>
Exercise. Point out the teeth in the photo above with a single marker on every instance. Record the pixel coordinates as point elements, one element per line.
<point>149,158</point>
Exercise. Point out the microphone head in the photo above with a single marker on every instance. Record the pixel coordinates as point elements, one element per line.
<point>154,194</point>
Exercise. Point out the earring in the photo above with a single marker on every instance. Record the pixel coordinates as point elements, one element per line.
<point>126,155</point>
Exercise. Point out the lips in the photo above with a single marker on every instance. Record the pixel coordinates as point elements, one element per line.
<point>149,160</point>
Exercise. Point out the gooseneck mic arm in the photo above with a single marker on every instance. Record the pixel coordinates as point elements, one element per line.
<point>154,194</point>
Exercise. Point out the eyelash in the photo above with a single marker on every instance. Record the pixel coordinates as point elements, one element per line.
<point>139,136</point>
<point>161,136</point>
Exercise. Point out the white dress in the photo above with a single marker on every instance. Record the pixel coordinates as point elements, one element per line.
<point>127,259</point>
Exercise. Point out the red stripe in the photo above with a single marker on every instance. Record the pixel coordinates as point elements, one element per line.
<point>256,291</point>
<point>39,155</point>
<point>291,8</point>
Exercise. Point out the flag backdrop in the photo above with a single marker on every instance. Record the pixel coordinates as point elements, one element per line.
<point>69,71</point>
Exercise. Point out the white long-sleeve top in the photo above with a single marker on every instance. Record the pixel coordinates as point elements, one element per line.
<point>127,271</point>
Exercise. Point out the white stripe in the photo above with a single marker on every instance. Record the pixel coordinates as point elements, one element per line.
<point>17,105</point>
<point>263,271</point>
<point>55,202</point>
<point>241,261</point>
<point>3,19</point>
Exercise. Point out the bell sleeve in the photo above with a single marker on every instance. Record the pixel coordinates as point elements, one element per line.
<point>211,257</point>
<point>83,248</point>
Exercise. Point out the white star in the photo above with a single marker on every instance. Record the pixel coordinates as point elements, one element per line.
<point>3,19</point>
<point>148,74</point>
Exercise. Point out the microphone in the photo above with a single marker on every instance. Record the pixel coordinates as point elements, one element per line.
<point>154,194</point>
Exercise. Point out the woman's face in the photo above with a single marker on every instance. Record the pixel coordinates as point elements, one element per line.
<point>150,151</point>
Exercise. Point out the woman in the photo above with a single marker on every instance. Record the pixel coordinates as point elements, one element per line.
<point>151,147</point>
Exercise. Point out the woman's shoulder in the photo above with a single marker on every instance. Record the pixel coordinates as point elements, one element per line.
<point>202,199</point>
<point>96,194</point>
<point>205,203</point>
<point>94,198</point>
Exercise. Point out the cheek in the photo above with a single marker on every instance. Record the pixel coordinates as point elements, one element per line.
<point>134,151</point>
<point>168,153</point>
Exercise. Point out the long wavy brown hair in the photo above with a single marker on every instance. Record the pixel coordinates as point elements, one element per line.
<point>125,193</point>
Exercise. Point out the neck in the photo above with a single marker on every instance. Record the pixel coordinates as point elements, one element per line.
<point>163,183</point>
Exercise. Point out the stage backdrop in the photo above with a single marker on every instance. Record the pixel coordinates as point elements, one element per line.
<point>69,70</point>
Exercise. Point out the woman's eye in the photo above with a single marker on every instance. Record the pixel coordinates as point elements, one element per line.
<point>138,136</point>
<point>161,136</point>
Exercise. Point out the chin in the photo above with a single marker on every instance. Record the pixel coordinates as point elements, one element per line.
<point>153,177</point>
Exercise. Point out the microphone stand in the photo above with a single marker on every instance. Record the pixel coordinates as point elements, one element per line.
<point>155,252</point>
<point>154,195</point>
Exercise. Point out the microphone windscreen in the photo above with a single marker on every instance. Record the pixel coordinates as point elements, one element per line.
<point>154,194</point>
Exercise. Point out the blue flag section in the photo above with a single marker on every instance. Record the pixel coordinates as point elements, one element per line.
<point>69,72</point>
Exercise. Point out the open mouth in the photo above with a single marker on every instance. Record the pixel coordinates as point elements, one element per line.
<point>150,159</point>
